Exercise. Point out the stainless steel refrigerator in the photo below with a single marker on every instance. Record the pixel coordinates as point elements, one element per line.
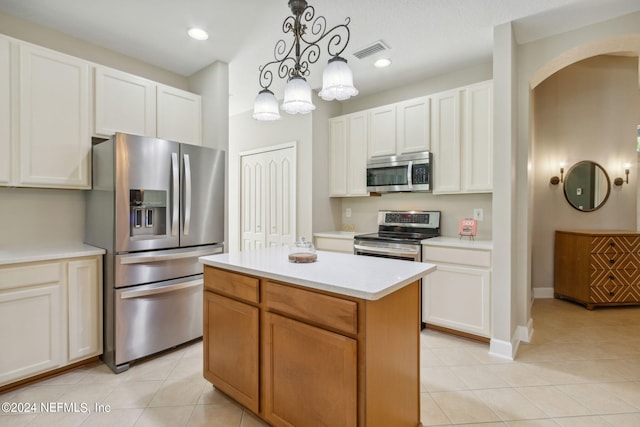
<point>155,207</point>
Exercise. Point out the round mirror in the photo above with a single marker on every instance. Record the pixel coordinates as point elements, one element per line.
<point>586,186</point>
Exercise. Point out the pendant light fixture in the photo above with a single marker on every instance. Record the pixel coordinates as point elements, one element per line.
<point>292,63</point>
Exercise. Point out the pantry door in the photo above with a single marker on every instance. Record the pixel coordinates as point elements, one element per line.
<point>268,197</point>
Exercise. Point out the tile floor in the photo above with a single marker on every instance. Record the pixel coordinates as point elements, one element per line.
<point>582,369</point>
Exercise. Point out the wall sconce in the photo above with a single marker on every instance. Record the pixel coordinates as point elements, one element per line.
<point>619,181</point>
<point>555,180</point>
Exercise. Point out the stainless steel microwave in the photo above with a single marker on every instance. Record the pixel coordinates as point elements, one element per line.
<point>407,172</point>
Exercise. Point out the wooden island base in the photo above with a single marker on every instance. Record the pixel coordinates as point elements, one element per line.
<point>297,356</point>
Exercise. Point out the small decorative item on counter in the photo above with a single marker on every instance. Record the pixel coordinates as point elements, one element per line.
<point>467,227</point>
<point>302,251</point>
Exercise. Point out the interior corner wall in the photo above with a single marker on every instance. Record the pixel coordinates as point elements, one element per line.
<point>588,111</point>
<point>212,84</point>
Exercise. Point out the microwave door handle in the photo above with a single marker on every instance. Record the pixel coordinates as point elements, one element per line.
<point>176,193</point>
<point>187,194</point>
<point>409,174</point>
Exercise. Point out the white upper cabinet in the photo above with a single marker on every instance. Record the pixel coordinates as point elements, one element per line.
<point>413,125</point>
<point>5,111</point>
<point>348,155</point>
<point>382,131</point>
<point>478,137</point>
<point>447,142</point>
<point>124,103</point>
<point>55,140</point>
<point>179,115</point>
<point>462,128</point>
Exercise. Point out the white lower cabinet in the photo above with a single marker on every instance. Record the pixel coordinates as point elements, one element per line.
<point>51,314</point>
<point>457,296</point>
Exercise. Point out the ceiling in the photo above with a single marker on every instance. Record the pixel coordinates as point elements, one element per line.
<point>425,37</point>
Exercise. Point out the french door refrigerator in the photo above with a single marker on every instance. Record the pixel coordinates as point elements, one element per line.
<point>156,206</point>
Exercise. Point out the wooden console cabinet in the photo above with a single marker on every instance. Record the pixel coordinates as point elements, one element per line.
<point>598,268</point>
<point>297,356</point>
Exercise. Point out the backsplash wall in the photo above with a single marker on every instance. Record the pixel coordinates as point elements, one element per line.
<point>453,208</point>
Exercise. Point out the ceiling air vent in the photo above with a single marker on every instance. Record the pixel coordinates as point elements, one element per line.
<point>373,48</point>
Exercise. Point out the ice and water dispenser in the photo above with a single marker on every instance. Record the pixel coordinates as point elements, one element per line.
<point>148,213</point>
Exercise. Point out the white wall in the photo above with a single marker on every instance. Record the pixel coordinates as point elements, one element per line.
<point>586,111</point>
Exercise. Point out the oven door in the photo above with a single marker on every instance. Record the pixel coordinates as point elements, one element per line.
<point>388,250</point>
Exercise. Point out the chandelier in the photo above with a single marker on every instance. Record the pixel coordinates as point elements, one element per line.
<point>292,62</point>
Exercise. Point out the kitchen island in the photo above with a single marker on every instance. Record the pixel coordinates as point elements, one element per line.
<point>330,343</point>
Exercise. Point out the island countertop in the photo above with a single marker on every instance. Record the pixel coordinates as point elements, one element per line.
<point>365,277</point>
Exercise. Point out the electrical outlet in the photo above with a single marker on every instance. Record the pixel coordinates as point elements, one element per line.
<point>478,214</point>
<point>348,213</point>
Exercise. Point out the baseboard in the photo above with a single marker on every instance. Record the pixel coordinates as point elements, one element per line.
<point>541,293</point>
<point>525,333</point>
<point>503,349</point>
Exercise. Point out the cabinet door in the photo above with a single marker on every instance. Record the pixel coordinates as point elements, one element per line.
<point>338,157</point>
<point>32,312</point>
<point>84,301</point>
<point>414,130</point>
<point>310,374</point>
<point>5,111</point>
<point>382,131</point>
<point>447,141</point>
<point>179,115</point>
<point>478,137</point>
<point>231,348</point>
<point>55,141</point>
<point>357,160</point>
<point>124,103</point>
<point>458,298</point>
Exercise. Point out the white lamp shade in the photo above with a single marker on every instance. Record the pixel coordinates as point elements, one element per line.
<point>297,96</point>
<point>265,107</point>
<point>337,81</point>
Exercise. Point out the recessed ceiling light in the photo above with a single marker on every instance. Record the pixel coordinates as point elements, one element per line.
<point>198,34</point>
<point>382,63</point>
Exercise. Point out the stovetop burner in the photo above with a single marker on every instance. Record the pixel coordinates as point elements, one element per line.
<point>408,227</point>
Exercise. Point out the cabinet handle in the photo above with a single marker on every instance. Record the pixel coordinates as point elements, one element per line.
<point>612,244</point>
<point>612,261</point>
<point>611,293</point>
<point>612,277</point>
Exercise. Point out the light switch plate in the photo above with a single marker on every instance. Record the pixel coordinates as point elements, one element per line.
<point>478,214</point>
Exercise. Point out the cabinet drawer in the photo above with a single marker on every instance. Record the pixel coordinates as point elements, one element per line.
<point>325,310</point>
<point>29,275</point>
<point>608,244</point>
<point>615,260</point>
<point>619,277</point>
<point>232,284</point>
<point>470,257</point>
<point>614,292</point>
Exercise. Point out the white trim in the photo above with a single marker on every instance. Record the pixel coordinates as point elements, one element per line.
<point>503,349</point>
<point>525,333</point>
<point>292,144</point>
<point>542,293</point>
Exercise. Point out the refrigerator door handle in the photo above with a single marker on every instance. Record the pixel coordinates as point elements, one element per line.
<point>187,195</point>
<point>160,290</point>
<point>176,193</point>
<point>150,257</point>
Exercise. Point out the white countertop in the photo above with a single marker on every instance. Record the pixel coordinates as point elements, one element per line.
<point>364,277</point>
<point>457,242</point>
<point>46,252</point>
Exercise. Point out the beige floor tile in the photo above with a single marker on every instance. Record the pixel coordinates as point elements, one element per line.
<point>187,368</point>
<point>455,356</point>
<point>430,412</point>
<point>102,374</point>
<point>212,396</point>
<point>216,416</point>
<point>153,369</point>
<point>478,377</point>
<point>440,379</point>
<point>37,393</point>
<point>587,421</point>
<point>429,359</point>
<point>629,391</point>
<point>509,405</point>
<point>250,420</point>
<point>623,420</point>
<point>174,416</point>
<point>16,420</point>
<point>178,393</point>
<point>546,422</point>
<point>464,407</point>
<point>553,402</point>
<point>596,399</point>
<point>115,417</point>
<point>132,394</point>
<point>89,394</point>
<point>61,419</point>
<point>518,374</point>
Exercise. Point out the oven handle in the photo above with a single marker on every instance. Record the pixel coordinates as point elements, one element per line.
<point>143,259</point>
<point>161,290</point>
<point>386,250</point>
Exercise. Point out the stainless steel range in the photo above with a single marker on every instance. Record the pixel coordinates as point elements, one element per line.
<point>399,235</point>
